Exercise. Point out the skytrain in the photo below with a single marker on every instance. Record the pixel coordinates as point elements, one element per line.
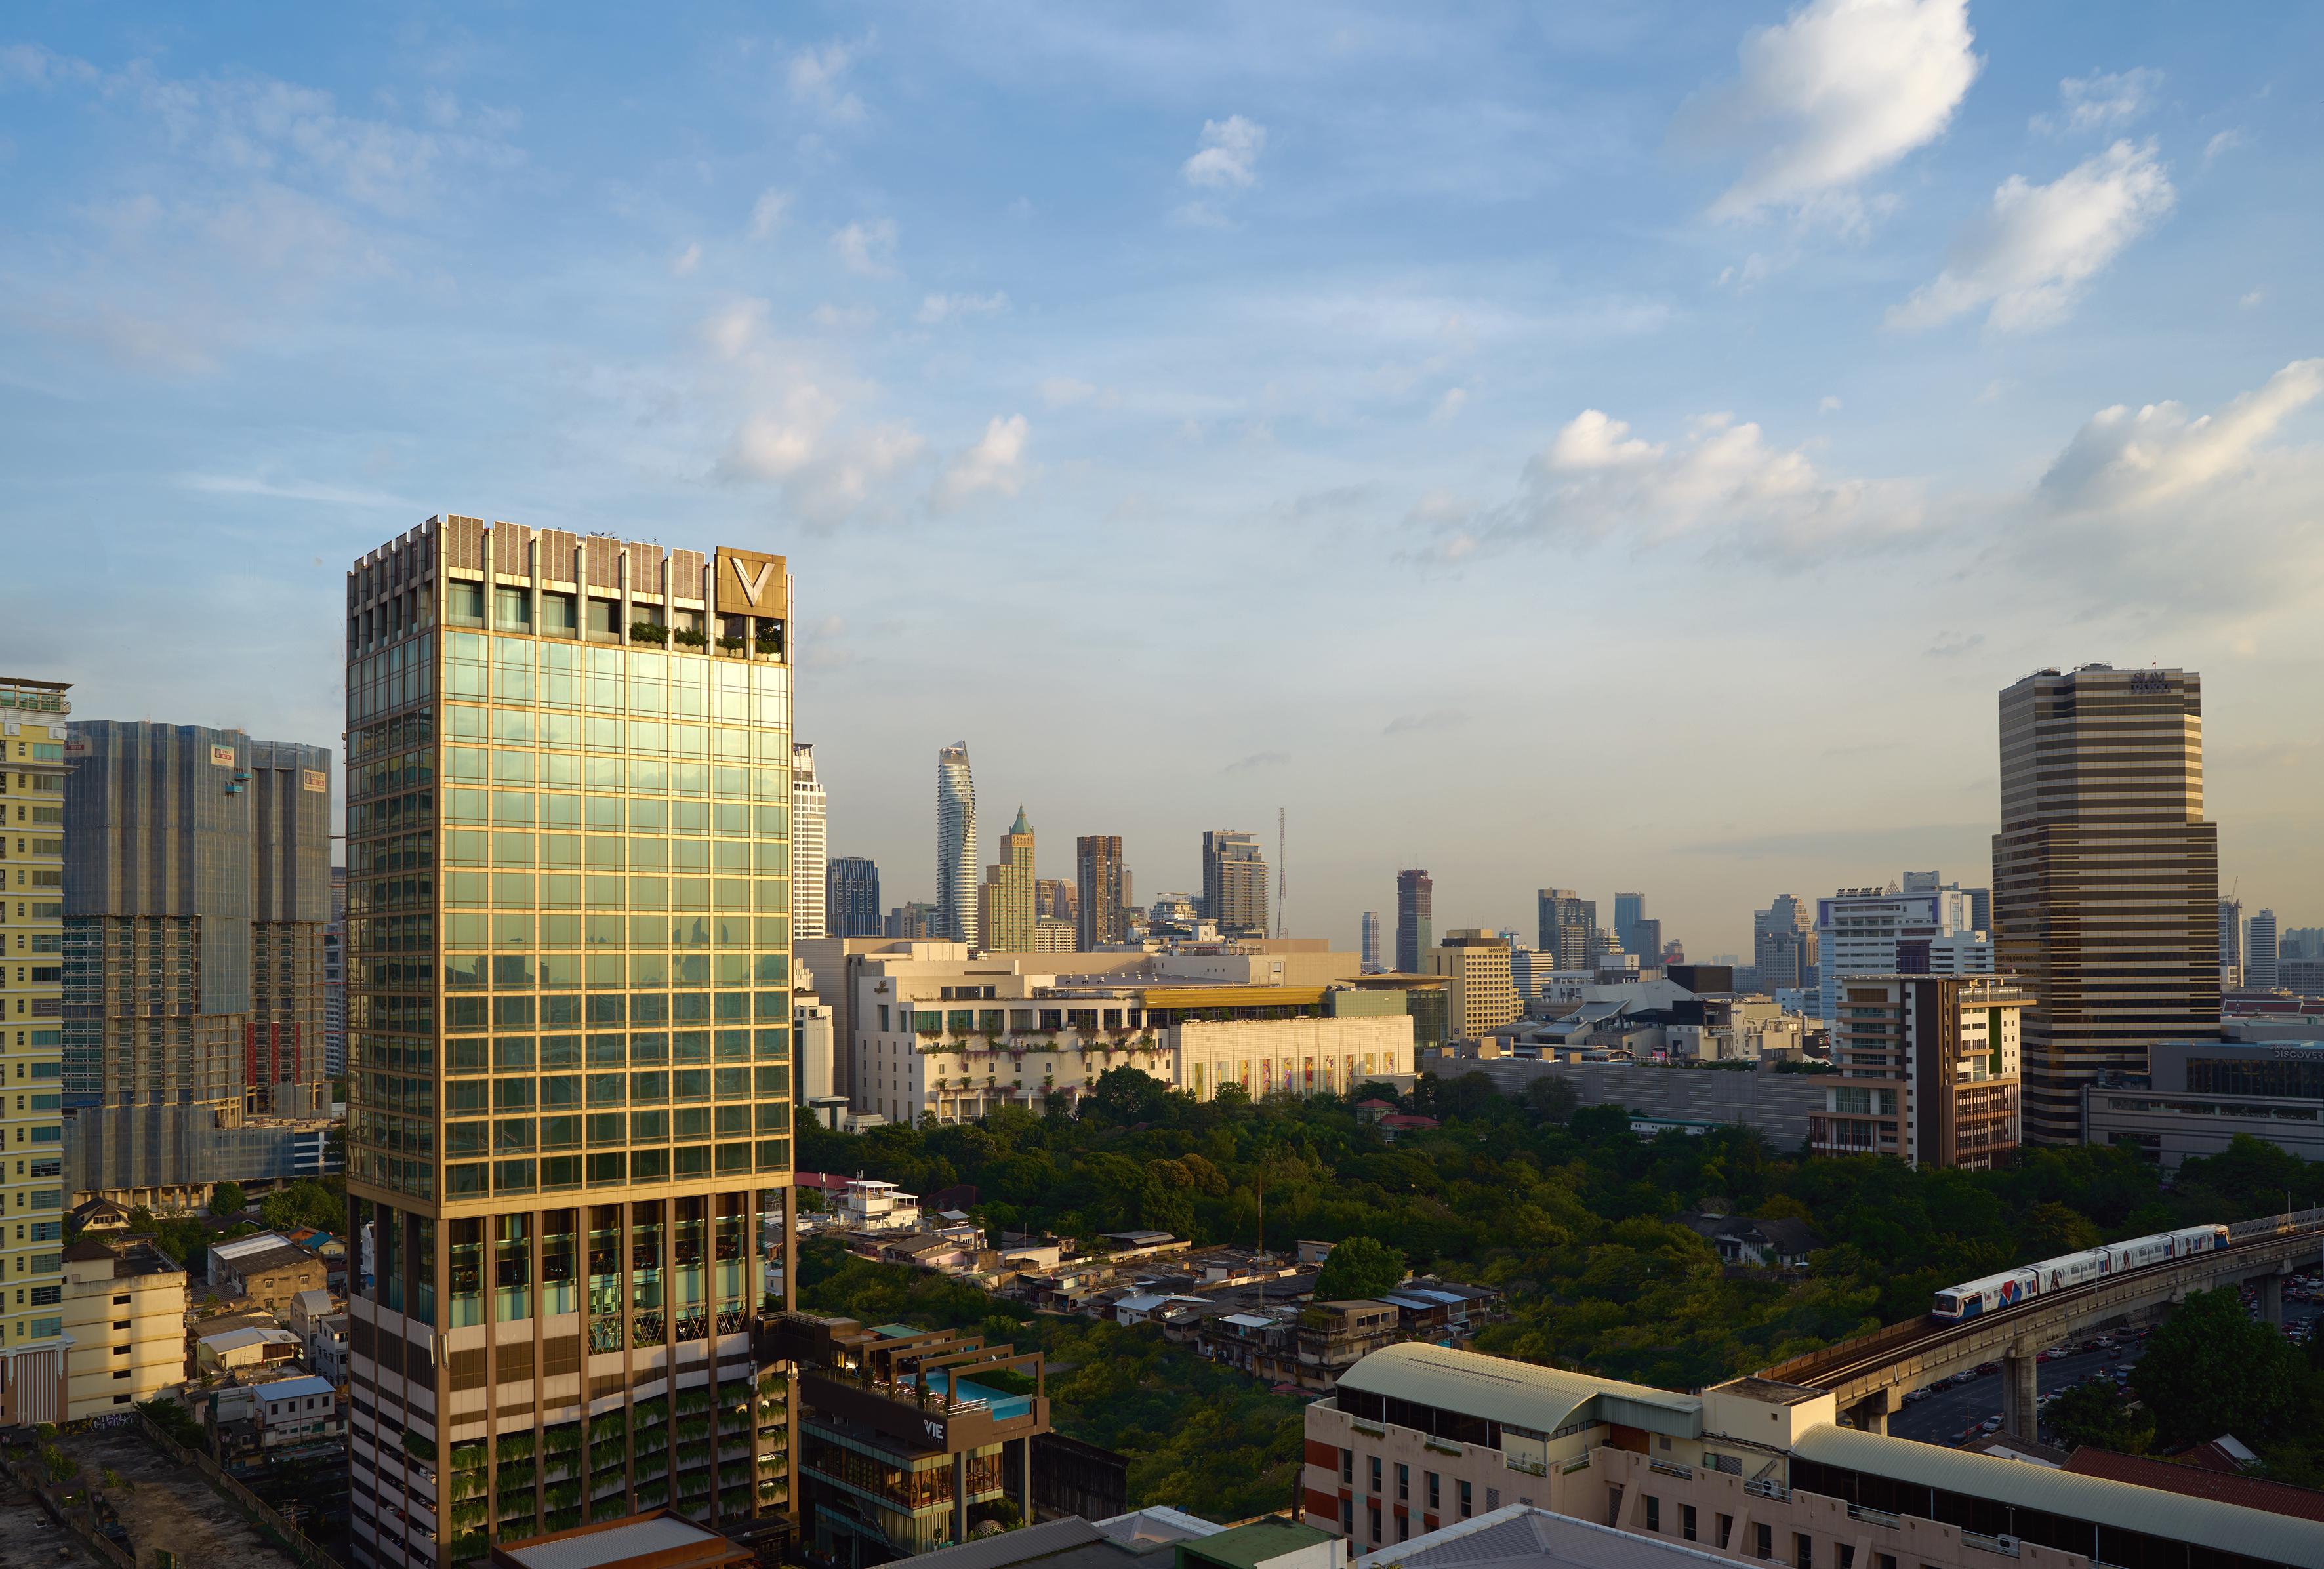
<point>2068,1271</point>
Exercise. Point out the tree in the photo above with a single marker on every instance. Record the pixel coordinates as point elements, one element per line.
<point>2054,1229</point>
<point>1127,1095</point>
<point>1553,1100</point>
<point>2209,1371</point>
<point>1357,1268</point>
<point>226,1199</point>
<point>2099,1414</point>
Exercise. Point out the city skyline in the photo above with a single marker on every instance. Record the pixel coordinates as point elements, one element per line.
<point>1397,376</point>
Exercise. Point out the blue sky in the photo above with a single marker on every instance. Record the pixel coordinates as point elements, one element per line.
<point>1553,448</point>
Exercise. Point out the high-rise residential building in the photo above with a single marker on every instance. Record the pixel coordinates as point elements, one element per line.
<point>1782,944</point>
<point>1530,970</point>
<point>1415,919</point>
<point>809,910</point>
<point>32,771</point>
<point>1568,928</point>
<point>1056,898</point>
<point>1921,930</point>
<point>2260,950</point>
<point>2105,877</point>
<point>1924,1068</point>
<point>2231,942</point>
<point>851,897</point>
<point>914,921</point>
<point>955,846</point>
<point>1234,883</point>
<point>1101,897</point>
<point>201,870</point>
<point>1630,909</point>
<point>568,1132</point>
<point>1481,997</point>
<point>1007,909</point>
<point>1369,944</point>
<point>335,980</point>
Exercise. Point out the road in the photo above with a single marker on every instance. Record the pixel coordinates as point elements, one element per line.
<point>1949,1414</point>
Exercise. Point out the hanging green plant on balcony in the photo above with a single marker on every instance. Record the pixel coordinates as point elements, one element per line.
<point>648,632</point>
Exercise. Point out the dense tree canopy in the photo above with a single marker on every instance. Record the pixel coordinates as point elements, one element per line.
<point>1359,1267</point>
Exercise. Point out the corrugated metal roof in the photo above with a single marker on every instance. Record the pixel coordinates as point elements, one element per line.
<point>594,1549</point>
<point>2174,1517</point>
<point>294,1388</point>
<point>999,1552</point>
<point>1523,1394</point>
<point>1525,1536</point>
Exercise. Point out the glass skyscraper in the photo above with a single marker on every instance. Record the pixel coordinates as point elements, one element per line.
<point>955,847</point>
<point>568,897</point>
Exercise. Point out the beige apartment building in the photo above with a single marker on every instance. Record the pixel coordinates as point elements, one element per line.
<point>1925,1068</point>
<point>1482,997</point>
<point>125,1311</point>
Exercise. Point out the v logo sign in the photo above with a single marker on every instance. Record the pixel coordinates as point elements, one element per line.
<point>753,583</point>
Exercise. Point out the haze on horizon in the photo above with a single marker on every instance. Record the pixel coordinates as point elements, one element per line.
<point>1553,448</point>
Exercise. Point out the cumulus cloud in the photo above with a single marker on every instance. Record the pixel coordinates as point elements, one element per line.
<point>1448,407</point>
<point>996,463</point>
<point>1230,152</point>
<point>1721,487</point>
<point>1837,92</point>
<point>937,310</point>
<point>818,82</point>
<point>2101,101</point>
<point>767,212</point>
<point>2171,511</point>
<point>866,248</point>
<point>683,263</point>
<point>2030,256</point>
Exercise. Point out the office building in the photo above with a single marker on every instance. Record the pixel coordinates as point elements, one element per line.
<point>1647,932</point>
<point>1784,947</point>
<point>1921,928</point>
<point>1630,909</point>
<point>915,920</point>
<point>2199,1096</point>
<point>1415,931</point>
<point>1101,897</point>
<point>2105,877</point>
<point>2259,950</point>
<point>1530,970</point>
<point>335,980</point>
<point>2231,943</point>
<point>1568,926</point>
<point>1924,1068</point>
<point>955,846</point>
<point>1005,903</point>
<point>809,910</point>
<point>1368,946</point>
<point>200,873</point>
<point>125,1309</point>
<point>33,779</point>
<point>1481,997</point>
<point>1234,883</point>
<point>850,898</point>
<point>1054,898</point>
<point>568,1130</point>
<point>2300,942</point>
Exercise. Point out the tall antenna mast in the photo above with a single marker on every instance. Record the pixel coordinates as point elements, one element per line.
<point>1282,878</point>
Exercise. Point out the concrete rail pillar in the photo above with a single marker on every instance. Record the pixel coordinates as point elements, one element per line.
<point>2271,1299</point>
<point>2021,1393</point>
<point>1870,1414</point>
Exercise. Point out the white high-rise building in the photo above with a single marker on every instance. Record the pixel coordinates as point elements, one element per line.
<point>955,847</point>
<point>1886,931</point>
<point>809,853</point>
<point>2259,950</point>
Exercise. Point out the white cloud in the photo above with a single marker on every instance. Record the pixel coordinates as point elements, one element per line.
<point>995,463</point>
<point>1448,407</point>
<point>868,248</point>
<point>2173,514</point>
<point>2030,256</point>
<point>938,309</point>
<point>1723,486</point>
<point>843,317</point>
<point>818,82</point>
<point>1827,404</point>
<point>1838,91</point>
<point>2101,101</point>
<point>2256,297</point>
<point>767,213</point>
<point>683,263</point>
<point>1062,391</point>
<point>2225,142</point>
<point>1228,156</point>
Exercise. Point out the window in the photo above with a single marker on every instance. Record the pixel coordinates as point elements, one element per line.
<point>1686,1522</point>
<point>1885,1560</point>
<point>1846,1552</point>
<point>1492,1498</point>
<point>1654,1513</point>
<point>1432,1493</point>
<point>1348,1517</point>
<point>1802,1551</point>
<point>1376,1480</point>
<point>1348,1465</point>
<point>1403,1527</point>
<point>1374,1509</point>
<point>1464,1500</point>
<point>1726,1532</point>
<point>1403,1482</point>
<point>1764,1541</point>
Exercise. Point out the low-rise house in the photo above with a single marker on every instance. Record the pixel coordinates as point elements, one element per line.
<point>125,1317</point>
<point>1144,1306</point>
<point>327,1348</point>
<point>869,1206</point>
<point>267,1268</point>
<point>271,1409</point>
<point>1395,1126</point>
<point>1335,1336</point>
<point>1773,1244</point>
<point>99,1215</point>
<point>245,1348</point>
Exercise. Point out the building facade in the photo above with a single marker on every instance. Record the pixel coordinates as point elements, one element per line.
<point>33,771</point>
<point>1784,944</point>
<point>1481,996</point>
<point>1881,931</point>
<point>1925,1068</point>
<point>1234,883</point>
<point>124,1312</point>
<point>1367,944</point>
<point>955,917</point>
<point>2231,943</point>
<point>852,897</point>
<point>2260,950</point>
<point>1567,927</point>
<point>809,851</point>
<point>335,980</point>
<point>1101,895</point>
<point>1415,919</point>
<point>568,1129</point>
<point>2105,877</point>
<point>1007,903</point>
<point>198,898</point>
<point>2199,1095</point>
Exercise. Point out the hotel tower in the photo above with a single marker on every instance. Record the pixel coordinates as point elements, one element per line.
<point>568,1017</point>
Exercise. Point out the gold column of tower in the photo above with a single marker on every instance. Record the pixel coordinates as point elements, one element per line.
<point>568,1017</point>
<point>31,1055</point>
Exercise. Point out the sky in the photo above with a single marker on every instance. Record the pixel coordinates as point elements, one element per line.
<point>1607,448</point>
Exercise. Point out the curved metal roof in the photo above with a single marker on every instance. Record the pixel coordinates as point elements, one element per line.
<point>1519,1394</point>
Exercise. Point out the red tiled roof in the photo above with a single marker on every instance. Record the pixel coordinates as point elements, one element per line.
<point>2252,1493</point>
